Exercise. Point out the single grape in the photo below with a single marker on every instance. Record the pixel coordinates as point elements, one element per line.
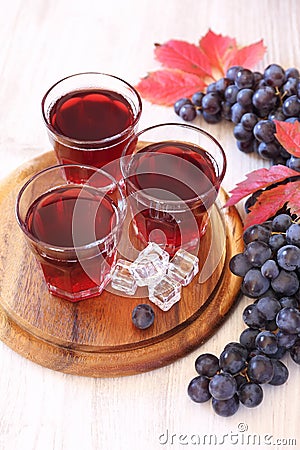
<point>239,264</point>
<point>211,103</point>
<point>244,97</point>
<point>286,340</point>
<point>281,373</point>
<point>244,78</point>
<point>197,98</point>
<point>253,317</point>
<point>198,389</point>
<point>269,150</point>
<point>292,72</point>
<point>288,257</point>
<point>264,131</point>
<point>226,408</point>
<point>268,307</point>
<point>143,316</point>
<point>293,234</point>
<point>276,241</point>
<point>222,84</point>
<point>232,361</point>
<point>260,369</point>
<point>264,99</point>
<point>255,284</point>
<point>288,320</point>
<point>207,364</point>
<point>249,120</point>
<point>222,386</point>
<point>187,112</point>
<point>291,106</point>
<point>266,342</point>
<point>286,284</point>
<point>248,336</point>
<point>250,394</point>
<point>230,93</point>
<point>293,163</point>
<point>281,222</point>
<point>258,253</point>
<point>241,134</point>
<point>237,346</point>
<point>274,75</point>
<point>290,86</point>
<point>269,269</point>
<point>256,233</point>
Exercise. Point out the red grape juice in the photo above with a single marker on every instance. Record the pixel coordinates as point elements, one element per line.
<point>68,217</point>
<point>92,126</point>
<point>160,174</point>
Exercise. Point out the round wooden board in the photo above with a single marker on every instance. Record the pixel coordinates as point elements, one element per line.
<point>96,337</point>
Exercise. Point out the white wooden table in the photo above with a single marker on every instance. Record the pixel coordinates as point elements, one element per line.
<point>41,42</point>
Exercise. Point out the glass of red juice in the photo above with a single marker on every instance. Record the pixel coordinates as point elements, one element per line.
<point>172,174</point>
<point>73,228</point>
<point>90,117</point>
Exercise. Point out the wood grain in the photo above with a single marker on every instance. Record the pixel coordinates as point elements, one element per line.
<point>95,337</point>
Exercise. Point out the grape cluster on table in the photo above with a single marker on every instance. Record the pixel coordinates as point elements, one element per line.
<point>251,100</point>
<point>270,268</point>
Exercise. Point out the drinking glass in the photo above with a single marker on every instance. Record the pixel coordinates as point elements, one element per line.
<point>90,117</point>
<point>73,228</point>
<point>172,174</point>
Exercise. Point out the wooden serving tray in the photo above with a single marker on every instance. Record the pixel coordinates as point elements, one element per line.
<point>96,337</point>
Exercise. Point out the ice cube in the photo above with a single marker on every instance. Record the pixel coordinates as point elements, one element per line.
<point>122,279</point>
<point>183,267</point>
<point>150,266</point>
<point>165,293</point>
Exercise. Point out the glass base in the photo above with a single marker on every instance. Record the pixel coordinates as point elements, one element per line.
<point>80,295</point>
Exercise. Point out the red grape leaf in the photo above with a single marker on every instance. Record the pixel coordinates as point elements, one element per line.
<point>293,195</point>
<point>164,87</point>
<point>247,56</point>
<point>260,179</point>
<point>266,205</point>
<point>194,66</point>
<point>288,134</point>
<point>181,55</point>
<point>218,49</point>
<point>271,201</point>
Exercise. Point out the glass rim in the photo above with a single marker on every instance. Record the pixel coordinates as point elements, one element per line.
<point>59,248</point>
<point>125,163</point>
<point>67,139</point>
